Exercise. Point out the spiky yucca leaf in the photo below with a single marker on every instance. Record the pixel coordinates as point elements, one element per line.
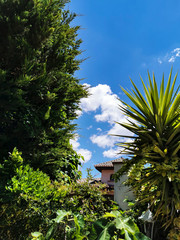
<point>155,149</point>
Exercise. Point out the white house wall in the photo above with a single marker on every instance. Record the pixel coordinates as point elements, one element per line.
<point>121,191</point>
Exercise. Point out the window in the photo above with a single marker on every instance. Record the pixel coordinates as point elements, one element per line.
<point>112,178</point>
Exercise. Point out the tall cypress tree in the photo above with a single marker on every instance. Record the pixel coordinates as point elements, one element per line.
<point>39,93</point>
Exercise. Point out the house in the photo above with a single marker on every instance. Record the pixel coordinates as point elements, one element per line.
<point>116,190</point>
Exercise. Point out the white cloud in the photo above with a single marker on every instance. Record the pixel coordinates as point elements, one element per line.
<point>117,129</point>
<point>116,152</point>
<point>111,153</point>
<point>177,51</point>
<point>75,143</point>
<point>102,141</point>
<point>170,56</point>
<point>89,127</point>
<point>108,139</point>
<point>101,97</point>
<point>79,113</point>
<point>83,152</point>
<point>172,59</point>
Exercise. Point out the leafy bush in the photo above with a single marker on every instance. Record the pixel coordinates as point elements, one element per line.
<point>31,184</point>
<point>33,199</point>
<point>112,225</point>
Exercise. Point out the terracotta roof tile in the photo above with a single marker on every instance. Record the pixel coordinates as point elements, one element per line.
<point>83,180</point>
<point>109,163</point>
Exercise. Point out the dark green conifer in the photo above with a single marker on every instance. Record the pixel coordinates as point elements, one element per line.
<point>39,94</point>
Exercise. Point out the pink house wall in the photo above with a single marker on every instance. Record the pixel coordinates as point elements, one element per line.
<point>105,175</point>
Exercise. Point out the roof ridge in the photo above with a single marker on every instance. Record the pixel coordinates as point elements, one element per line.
<point>109,163</point>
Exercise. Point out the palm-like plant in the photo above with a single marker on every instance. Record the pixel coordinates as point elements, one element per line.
<point>154,167</point>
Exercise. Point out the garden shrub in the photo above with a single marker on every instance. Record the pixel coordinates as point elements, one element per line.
<point>30,199</point>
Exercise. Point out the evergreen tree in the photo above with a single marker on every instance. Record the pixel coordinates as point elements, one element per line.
<point>39,94</point>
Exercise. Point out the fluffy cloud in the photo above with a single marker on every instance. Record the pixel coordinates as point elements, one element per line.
<point>111,153</point>
<point>83,152</point>
<point>75,143</point>
<point>117,129</point>
<point>103,99</point>
<point>109,139</point>
<point>102,141</point>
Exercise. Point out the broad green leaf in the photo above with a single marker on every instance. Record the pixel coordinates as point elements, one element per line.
<point>124,223</point>
<point>128,235</point>
<point>60,215</point>
<point>102,229</point>
<point>141,236</point>
<point>104,235</point>
<point>36,234</point>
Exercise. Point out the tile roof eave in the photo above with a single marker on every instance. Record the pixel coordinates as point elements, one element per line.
<point>108,164</point>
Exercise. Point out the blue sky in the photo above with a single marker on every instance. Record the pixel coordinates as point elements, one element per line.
<point>121,39</point>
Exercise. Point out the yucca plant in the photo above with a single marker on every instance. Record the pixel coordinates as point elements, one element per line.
<point>154,164</point>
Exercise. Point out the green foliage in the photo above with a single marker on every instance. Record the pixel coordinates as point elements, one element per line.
<point>112,225</point>
<point>24,197</point>
<point>175,231</point>
<point>35,199</point>
<point>85,198</point>
<point>154,170</point>
<point>119,226</point>
<point>37,235</point>
<point>22,179</point>
<point>70,225</point>
<point>73,226</point>
<point>39,93</point>
<point>29,199</point>
<point>8,168</point>
<point>32,184</point>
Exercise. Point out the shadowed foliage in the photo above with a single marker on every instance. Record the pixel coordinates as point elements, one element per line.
<point>39,94</point>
